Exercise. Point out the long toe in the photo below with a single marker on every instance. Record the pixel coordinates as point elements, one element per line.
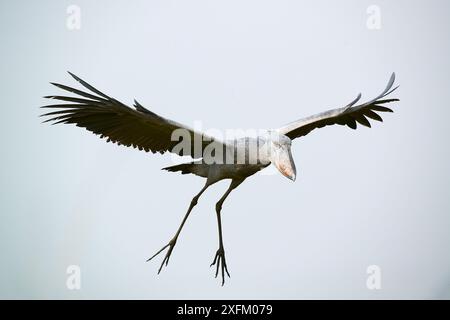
<point>221,264</point>
<point>165,261</point>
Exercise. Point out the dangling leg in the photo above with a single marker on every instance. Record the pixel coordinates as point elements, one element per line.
<point>172,242</point>
<point>219,259</point>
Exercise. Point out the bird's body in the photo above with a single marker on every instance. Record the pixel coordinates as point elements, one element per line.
<point>216,160</point>
<point>247,155</point>
<point>217,172</point>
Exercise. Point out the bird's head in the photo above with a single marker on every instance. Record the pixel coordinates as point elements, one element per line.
<point>280,154</point>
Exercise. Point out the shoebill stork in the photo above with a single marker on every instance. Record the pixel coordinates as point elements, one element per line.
<point>148,131</point>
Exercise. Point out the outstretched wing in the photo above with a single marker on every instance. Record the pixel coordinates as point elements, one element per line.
<point>348,115</point>
<point>111,119</point>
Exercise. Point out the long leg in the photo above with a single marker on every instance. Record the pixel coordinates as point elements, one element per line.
<point>172,242</point>
<point>219,259</point>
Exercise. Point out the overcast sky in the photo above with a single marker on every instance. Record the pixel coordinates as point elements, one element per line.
<point>367,197</point>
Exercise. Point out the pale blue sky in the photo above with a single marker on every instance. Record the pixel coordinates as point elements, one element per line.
<point>372,196</point>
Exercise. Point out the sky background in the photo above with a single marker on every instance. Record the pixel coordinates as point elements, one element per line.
<point>367,197</point>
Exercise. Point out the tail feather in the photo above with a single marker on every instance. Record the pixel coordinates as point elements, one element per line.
<point>185,168</point>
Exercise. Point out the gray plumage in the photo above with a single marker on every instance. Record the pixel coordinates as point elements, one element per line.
<point>145,130</point>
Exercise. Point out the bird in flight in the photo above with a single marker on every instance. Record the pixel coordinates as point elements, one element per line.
<point>214,159</point>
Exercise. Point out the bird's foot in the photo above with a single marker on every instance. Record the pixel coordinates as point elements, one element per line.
<point>165,261</point>
<point>219,261</point>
